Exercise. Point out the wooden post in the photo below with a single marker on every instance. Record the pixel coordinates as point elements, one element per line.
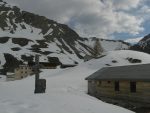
<point>40,84</point>
<point>36,69</point>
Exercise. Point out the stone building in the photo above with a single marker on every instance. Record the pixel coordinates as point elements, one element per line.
<point>122,85</point>
<point>23,71</point>
<point>19,73</point>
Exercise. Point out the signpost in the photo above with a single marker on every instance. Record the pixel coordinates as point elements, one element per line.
<point>40,84</point>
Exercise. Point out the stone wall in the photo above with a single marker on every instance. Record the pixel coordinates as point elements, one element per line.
<point>106,89</point>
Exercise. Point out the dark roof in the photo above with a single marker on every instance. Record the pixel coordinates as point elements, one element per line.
<point>43,63</point>
<point>131,72</point>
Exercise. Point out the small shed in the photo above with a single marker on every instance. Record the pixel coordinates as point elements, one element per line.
<point>10,76</point>
<point>122,84</point>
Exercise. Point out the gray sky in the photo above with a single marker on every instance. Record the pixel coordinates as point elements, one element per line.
<point>101,18</point>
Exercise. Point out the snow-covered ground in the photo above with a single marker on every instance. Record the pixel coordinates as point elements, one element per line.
<point>66,89</point>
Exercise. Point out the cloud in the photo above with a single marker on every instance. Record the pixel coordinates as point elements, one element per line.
<point>89,18</point>
<point>144,12</point>
<point>125,4</point>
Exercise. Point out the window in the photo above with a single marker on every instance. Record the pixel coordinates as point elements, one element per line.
<point>117,87</point>
<point>133,87</point>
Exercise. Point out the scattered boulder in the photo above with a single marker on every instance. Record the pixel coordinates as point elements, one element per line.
<point>16,49</point>
<point>46,52</point>
<point>107,64</point>
<point>136,61</point>
<point>114,61</point>
<point>20,41</point>
<point>132,60</point>
<point>4,39</point>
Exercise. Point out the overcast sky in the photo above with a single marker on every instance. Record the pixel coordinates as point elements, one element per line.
<point>119,19</point>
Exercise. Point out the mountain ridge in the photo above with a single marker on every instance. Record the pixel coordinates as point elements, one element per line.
<point>24,34</point>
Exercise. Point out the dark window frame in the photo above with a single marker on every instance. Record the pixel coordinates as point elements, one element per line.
<point>117,86</point>
<point>133,87</point>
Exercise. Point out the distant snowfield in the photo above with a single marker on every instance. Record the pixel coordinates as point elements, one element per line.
<point>134,40</point>
<point>66,89</point>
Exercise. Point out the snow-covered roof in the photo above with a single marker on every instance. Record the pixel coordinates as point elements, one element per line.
<point>131,72</point>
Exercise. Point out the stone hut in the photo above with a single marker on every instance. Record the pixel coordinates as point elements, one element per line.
<point>122,85</point>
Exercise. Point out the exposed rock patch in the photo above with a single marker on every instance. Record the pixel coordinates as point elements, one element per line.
<point>4,39</point>
<point>20,41</point>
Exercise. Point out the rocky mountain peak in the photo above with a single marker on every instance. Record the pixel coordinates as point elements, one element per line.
<point>143,45</point>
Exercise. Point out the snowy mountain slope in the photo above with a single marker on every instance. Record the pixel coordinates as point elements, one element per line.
<point>143,45</point>
<point>24,34</point>
<point>144,41</point>
<point>108,45</point>
<point>66,89</point>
